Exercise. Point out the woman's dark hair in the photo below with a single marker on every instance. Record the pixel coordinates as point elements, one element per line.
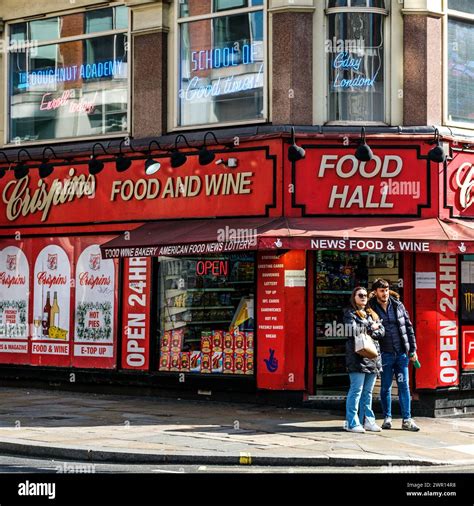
<point>380,283</point>
<point>353,296</point>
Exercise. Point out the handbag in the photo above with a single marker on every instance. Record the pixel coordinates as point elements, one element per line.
<point>365,346</point>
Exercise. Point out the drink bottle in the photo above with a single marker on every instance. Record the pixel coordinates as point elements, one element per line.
<point>416,363</point>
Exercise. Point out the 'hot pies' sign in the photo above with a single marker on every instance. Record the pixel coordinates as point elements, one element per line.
<point>331,179</point>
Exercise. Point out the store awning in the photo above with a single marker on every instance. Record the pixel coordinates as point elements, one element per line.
<point>207,236</point>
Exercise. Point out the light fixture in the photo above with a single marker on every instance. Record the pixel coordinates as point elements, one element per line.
<point>3,171</point>
<point>177,158</point>
<point>95,166</point>
<point>121,163</point>
<point>205,156</point>
<point>152,165</point>
<point>363,152</point>
<point>230,163</point>
<point>46,167</point>
<point>437,154</point>
<point>295,152</point>
<point>21,169</point>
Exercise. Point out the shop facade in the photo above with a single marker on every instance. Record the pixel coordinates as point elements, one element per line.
<point>228,281</point>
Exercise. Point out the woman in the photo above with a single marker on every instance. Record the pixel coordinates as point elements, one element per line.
<point>362,371</point>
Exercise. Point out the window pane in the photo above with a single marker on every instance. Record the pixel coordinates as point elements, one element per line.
<point>18,31</point>
<point>220,5</point>
<point>460,70</point>
<point>337,3</point>
<point>44,29</point>
<point>356,67</point>
<point>99,21</point>
<point>70,89</point>
<point>358,3</point>
<point>207,318</point>
<point>462,6</point>
<point>222,70</point>
<point>121,17</point>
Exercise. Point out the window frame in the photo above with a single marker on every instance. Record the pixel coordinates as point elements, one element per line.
<point>6,79</point>
<point>173,121</point>
<point>387,63</point>
<point>461,16</point>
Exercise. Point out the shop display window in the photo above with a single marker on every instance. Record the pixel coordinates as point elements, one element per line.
<point>68,75</point>
<point>337,274</point>
<point>207,314</point>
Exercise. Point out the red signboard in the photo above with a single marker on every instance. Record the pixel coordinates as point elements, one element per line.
<point>468,348</point>
<point>459,186</point>
<point>330,181</point>
<point>136,313</point>
<point>72,196</point>
<point>448,328</point>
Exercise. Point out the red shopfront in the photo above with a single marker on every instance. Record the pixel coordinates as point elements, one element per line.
<point>267,252</point>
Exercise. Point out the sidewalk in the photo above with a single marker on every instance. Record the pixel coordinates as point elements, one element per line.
<point>114,428</point>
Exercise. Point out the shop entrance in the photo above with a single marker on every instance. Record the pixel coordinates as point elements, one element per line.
<point>337,274</point>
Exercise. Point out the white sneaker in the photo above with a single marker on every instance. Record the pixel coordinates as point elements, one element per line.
<point>372,426</point>
<point>357,428</point>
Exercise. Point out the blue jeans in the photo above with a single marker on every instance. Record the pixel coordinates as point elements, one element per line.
<point>360,394</point>
<point>394,363</point>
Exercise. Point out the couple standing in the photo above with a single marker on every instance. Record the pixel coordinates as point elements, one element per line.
<point>386,320</point>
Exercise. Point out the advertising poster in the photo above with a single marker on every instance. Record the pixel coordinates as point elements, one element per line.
<point>94,310</point>
<point>51,307</point>
<point>14,295</point>
<point>136,313</point>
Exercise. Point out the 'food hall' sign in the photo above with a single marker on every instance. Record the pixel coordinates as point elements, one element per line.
<point>332,180</point>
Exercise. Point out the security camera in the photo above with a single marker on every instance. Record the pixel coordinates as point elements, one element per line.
<point>231,163</point>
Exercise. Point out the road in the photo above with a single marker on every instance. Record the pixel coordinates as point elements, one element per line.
<point>13,464</point>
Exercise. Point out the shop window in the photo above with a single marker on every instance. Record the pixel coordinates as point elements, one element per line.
<point>67,89</point>
<point>356,60</point>
<point>207,314</point>
<point>221,62</point>
<point>460,64</point>
<point>337,274</point>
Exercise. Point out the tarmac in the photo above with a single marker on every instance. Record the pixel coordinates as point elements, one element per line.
<point>124,429</point>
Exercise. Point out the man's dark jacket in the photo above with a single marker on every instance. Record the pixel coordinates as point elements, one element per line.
<point>405,325</point>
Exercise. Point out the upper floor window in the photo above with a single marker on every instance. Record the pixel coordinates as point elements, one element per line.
<point>221,61</point>
<point>356,60</point>
<point>460,64</point>
<point>68,75</point>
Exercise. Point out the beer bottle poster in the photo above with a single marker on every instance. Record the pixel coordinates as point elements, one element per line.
<point>94,322</point>
<point>51,306</point>
<point>14,294</point>
<point>467,302</point>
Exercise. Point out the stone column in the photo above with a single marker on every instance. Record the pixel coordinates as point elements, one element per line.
<point>291,80</point>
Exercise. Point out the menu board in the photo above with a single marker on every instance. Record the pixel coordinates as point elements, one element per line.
<point>51,307</point>
<point>270,314</point>
<point>14,294</point>
<point>94,312</point>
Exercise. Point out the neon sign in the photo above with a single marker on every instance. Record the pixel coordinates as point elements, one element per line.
<point>225,57</point>
<point>110,68</point>
<point>346,62</point>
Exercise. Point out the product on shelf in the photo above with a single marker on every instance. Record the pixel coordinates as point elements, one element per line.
<point>206,362</point>
<point>185,361</point>
<point>177,340</point>
<point>217,340</point>
<point>249,341</point>
<point>166,341</point>
<point>165,361</point>
<point>239,363</point>
<point>239,342</point>
<point>206,342</point>
<point>248,363</point>
<point>195,361</point>
<point>217,361</point>
<point>175,361</point>
<point>228,342</point>
<point>228,363</point>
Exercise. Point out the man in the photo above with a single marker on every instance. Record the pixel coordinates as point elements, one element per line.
<point>397,346</point>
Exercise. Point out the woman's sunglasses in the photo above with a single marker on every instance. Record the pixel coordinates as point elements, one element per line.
<point>362,295</point>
